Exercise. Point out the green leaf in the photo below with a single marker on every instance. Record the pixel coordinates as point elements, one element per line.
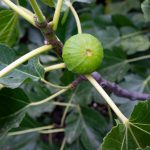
<point>24,142</point>
<point>53,3</point>
<point>77,145</point>
<point>114,60</point>
<point>32,70</point>
<point>88,125</point>
<point>13,104</point>
<point>50,3</point>
<point>146,9</point>
<point>135,43</point>
<point>121,20</point>
<point>78,96</point>
<point>132,83</point>
<point>135,135</point>
<point>8,27</point>
<point>122,7</point>
<point>109,36</point>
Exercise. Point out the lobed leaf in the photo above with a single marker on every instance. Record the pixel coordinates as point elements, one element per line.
<point>88,126</point>
<point>135,135</point>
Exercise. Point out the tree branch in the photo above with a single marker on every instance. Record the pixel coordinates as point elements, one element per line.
<point>112,87</point>
<point>50,36</point>
<point>117,90</point>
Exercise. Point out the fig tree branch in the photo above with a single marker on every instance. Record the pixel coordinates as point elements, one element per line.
<point>114,88</point>
<point>117,90</point>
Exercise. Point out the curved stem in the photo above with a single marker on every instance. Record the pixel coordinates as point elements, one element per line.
<point>57,14</point>
<point>55,67</point>
<point>23,59</point>
<point>108,99</point>
<point>49,98</point>
<point>137,59</point>
<point>20,11</point>
<point>69,4</point>
<point>30,130</point>
<point>37,10</point>
<point>54,85</point>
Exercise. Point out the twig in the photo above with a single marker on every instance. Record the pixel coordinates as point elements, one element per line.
<point>49,35</point>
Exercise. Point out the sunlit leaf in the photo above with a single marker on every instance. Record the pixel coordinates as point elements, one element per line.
<point>114,60</point>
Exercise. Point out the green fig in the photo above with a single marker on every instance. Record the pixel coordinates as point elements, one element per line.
<point>82,53</point>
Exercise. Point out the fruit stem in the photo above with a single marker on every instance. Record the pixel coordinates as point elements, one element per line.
<point>69,4</point>
<point>23,59</point>
<point>107,99</point>
<point>57,14</point>
<point>20,11</point>
<point>55,67</point>
<point>37,10</point>
<point>53,85</point>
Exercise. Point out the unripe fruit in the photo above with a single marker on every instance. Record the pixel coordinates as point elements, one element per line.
<point>82,53</point>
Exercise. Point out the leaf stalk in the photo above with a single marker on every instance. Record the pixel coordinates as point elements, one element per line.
<point>57,14</point>
<point>107,99</point>
<point>37,10</point>
<point>69,4</point>
<point>23,59</point>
